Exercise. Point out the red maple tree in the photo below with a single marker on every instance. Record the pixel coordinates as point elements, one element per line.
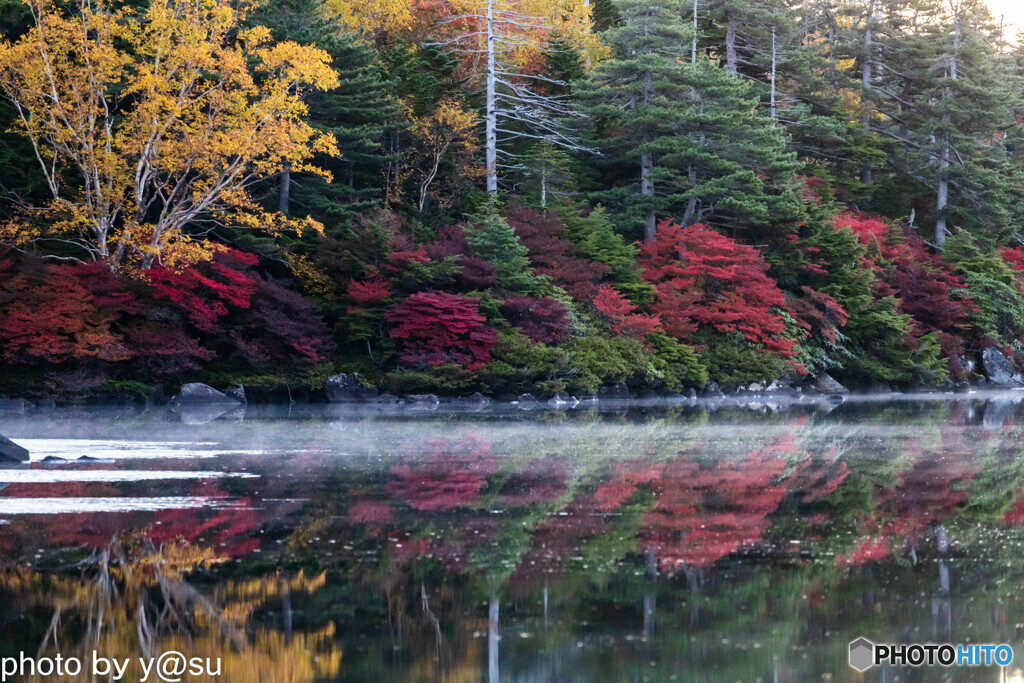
<point>705,279</point>
<point>438,328</point>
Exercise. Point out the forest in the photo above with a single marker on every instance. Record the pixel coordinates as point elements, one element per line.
<point>507,196</point>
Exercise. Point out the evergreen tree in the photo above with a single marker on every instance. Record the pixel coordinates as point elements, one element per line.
<point>697,146</point>
<point>361,113</point>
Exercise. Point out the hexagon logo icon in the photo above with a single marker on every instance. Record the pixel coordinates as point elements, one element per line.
<point>862,654</point>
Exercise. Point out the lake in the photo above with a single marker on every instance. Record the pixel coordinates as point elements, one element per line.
<point>627,541</point>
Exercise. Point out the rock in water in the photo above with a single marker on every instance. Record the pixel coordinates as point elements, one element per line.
<point>999,369</point>
<point>827,384</point>
<point>237,392</point>
<point>198,393</point>
<point>348,387</point>
<point>12,451</point>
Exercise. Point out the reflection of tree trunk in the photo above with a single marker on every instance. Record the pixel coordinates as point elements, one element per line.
<point>433,618</point>
<point>492,641</point>
<point>650,597</point>
<point>286,608</point>
<point>942,607</point>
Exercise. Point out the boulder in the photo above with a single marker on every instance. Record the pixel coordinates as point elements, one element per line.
<point>348,387</point>
<point>967,363</point>
<point>999,369</point>
<point>423,399</point>
<point>13,405</point>
<point>712,389</point>
<point>12,451</point>
<point>478,399</point>
<point>826,384</point>
<point>237,392</point>
<point>528,402</point>
<point>755,387</point>
<point>198,393</point>
<point>619,390</point>
<point>691,393</point>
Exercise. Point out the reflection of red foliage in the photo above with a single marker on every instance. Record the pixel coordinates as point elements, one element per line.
<point>869,549</point>
<point>229,531</point>
<point>438,328</point>
<point>704,278</point>
<point>452,476</point>
<point>365,511</point>
<point>544,480</point>
<point>704,514</point>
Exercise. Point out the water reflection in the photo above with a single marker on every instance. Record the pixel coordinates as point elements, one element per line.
<point>738,544</point>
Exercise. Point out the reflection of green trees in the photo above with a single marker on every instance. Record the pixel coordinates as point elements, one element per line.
<point>726,549</point>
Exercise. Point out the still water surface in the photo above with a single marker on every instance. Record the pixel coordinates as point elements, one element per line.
<point>620,543</point>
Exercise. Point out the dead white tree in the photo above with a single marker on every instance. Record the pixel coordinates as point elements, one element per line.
<point>514,107</point>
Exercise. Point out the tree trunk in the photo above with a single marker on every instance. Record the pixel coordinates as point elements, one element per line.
<point>942,192</point>
<point>544,184</point>
<point>284,191</point>
<point>731,66</point>
<point>491,125</point>
<point>646,160</point>
<point>865,170</point>
<point>773,78</point>
<point>693,48</point>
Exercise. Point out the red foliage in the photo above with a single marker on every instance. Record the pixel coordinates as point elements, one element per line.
<point>204,292</point>
<point>923,283</point>
<point>279,327</point>
<point>867,228</point>
<point>544,320</point>
<point>1014,257</point>
<point>56,313</point>
<point>372,290</point>
<point>554,255</point>
<point>614,305</point>
<point>438,328</point>
<point>704,278</point>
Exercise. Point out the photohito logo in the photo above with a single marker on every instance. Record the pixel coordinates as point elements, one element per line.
<point>864,654</point>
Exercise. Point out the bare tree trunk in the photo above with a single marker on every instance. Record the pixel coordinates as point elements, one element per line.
<point>491,125</point>
<point>646,160</point>
<point>773,78</point>
<point>544,184</point>
<point>284,191</point>
<point>865,170</point>
<point>731,66</point>
<point>942,192</point>
<point>693,48</point>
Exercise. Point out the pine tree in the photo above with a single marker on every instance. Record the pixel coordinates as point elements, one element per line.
<point>361,113</point>
<point>696,143</point>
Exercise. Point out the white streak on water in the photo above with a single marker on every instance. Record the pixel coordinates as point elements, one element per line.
<point>71,449</point>
<point>57,476</point>
<point>58,506</point>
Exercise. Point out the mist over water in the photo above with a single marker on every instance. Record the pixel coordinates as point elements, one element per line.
<point>627,541</point>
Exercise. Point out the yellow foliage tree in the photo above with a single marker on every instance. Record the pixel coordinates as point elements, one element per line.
<point>152,126</point>
<point>448,131</point>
